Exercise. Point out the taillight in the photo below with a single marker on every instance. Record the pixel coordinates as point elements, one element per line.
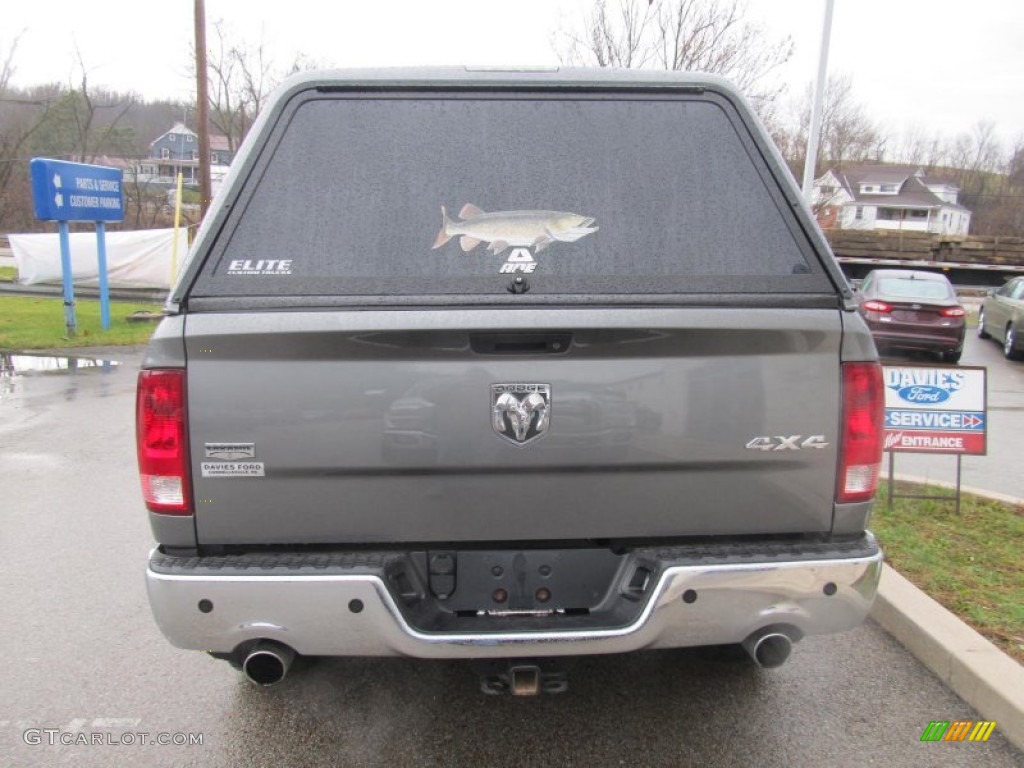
<point>860,458</point>
<point>953,312</point>
<point>162,441</point>
<point>877,306</point>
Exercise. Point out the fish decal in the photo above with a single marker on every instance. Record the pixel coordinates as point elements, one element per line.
<point>506,229</point>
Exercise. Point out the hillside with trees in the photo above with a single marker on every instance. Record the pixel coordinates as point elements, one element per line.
<point>715,36</point>
<point>81,120</point>
<point>84,122</point>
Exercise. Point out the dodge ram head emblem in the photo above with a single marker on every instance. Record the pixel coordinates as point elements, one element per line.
<point>520,412</point>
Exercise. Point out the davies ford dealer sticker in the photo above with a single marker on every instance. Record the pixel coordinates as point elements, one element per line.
<point>232,468</point>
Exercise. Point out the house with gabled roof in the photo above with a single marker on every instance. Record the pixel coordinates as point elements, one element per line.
<point>178,150</point>
<point>889,197</point>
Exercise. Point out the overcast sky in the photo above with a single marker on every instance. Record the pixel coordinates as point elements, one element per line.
<point>938,66</point>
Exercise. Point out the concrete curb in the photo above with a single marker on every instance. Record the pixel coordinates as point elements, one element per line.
<point>971,666</point>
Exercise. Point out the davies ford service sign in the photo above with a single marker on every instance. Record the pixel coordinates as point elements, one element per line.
<point>935,409</point>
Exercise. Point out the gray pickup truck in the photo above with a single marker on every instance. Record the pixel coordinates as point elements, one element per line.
<point>508,366</point>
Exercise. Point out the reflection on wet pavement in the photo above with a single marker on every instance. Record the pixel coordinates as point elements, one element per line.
<point>14,365</point>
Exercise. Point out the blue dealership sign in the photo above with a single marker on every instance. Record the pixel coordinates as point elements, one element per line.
<point>63,191</point>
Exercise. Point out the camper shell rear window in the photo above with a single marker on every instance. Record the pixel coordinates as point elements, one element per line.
<point>392,194</point>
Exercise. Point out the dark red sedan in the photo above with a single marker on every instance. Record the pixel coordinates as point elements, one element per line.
<point>913,311</point>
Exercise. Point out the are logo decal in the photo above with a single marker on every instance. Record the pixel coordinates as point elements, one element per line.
<point>519,261</point>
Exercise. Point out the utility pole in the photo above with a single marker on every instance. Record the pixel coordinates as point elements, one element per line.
<point>202,109</point>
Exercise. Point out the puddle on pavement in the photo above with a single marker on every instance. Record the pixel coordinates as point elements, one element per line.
<point>14,365</point>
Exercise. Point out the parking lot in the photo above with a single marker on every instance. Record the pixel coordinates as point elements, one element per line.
<point>85,662</point>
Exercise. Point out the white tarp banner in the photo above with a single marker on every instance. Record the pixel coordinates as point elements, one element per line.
<point>139,259</point>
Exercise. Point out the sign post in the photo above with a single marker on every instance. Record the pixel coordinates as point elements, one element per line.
<point>63,192</point>
<point>939,409</point>
<point>101,260</point>
<point>65,271</point>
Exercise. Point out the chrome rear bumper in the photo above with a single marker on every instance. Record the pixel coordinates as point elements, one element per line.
<point>351,612</point>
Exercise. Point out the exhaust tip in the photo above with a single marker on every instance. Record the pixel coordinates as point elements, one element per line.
<point>769,649</point>
<point>267,663</point>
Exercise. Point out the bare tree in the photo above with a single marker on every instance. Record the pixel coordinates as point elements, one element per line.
<point>242,75</point>
<point>228,114</point>
<point>977,165</point>
<point>52,120</point>
<point>695,35</point>
<point>1004,213</point>
<point>617,39</point>
<point>977,151</point>
<point>1015,164</point>
<point>7,63</point>
<point>22,115</point>
<point>975,157</point>
<point>83,122</point>
<point>144,200</point>
<point>847,133</point>
<point>917,147</point>
<point>97,116</point>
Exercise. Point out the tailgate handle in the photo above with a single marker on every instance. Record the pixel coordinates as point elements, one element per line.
<point>548,343</point>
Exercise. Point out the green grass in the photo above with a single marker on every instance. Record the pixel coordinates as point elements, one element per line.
<point>38,323</point>
<point>971,562</point>
<point>8,274</point>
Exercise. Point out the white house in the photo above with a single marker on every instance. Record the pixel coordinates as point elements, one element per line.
<point>895,197</point>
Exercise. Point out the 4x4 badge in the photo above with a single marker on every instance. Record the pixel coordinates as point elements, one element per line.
<point>520,412</point>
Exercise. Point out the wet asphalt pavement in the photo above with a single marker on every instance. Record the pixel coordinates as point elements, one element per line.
<point>84,660</point>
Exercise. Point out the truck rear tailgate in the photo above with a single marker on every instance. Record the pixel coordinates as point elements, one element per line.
<point>328,427</point>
